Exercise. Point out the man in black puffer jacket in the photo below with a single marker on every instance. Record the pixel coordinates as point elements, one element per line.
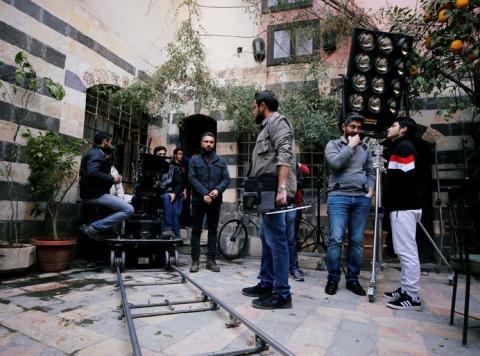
<point>95,184</point>
<point>402,199</point>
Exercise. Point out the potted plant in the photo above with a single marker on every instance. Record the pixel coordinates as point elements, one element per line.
<point>53,162</point>
<point>19,91</point>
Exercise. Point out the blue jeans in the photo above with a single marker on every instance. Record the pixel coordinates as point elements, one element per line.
<point>171,214</point>
<point>274,265</point>
<point>291,240</point>
<point>352,212</point>
<point>122,211</point>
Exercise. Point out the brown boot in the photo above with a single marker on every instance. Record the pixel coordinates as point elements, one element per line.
<point>195,266</point>
<point>212,266</point>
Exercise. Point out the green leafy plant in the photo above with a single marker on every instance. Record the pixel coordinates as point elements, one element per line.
<point>19,93</point>
<point>446,42</point>
<point>53,172</point>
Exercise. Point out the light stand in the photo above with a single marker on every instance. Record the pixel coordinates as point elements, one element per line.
<point>379,166</point>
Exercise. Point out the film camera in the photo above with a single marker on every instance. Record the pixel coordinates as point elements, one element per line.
<point>146,222</point>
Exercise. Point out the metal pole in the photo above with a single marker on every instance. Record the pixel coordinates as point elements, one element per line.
<point>128,315</point>
<point>435,246</point>
<point>259,332</point>
<point>377,229</point>
<point>438,202</point>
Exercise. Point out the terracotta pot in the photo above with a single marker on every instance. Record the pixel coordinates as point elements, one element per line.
<point>53,255</point>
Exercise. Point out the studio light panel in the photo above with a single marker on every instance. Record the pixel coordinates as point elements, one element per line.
<point>376,76</point>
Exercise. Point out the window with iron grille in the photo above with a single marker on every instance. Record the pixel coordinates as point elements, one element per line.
<point>245,150</point>
<point>127,126</point>
<point>293,42</point>
<point>281,5</point>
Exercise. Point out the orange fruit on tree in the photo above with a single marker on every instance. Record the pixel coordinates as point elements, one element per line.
<point>442,15</point>
<point>413,70</point>
<point>427,16</point>
<point>461,4</point>
<point>456,46</point>
<point>429,42</point>
<point>471,57</point>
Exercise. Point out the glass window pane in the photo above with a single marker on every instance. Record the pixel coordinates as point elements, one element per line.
<point>281,44</point>
<point>272,3</point>
<point>303,41</point>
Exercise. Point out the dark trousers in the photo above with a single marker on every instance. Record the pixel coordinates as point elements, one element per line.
<point>213,215</point>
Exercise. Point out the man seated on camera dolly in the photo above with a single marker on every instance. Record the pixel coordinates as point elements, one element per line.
<point>171,184</point>
<point>95,184</point>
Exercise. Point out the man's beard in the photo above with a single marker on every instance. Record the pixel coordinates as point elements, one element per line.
<point>259,118</point>
<point>207,150</point>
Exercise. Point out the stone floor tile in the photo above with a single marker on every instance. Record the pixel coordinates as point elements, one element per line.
<point>5,293</point>
<point>311,334</point>
<point>6,310</point>
<point>44,287</point>
<point>53,331</point>
<point>406,335</point>
<point>377,308</point>
<point>343,314</point>
<point>392,346</point>
<point>107,347</point>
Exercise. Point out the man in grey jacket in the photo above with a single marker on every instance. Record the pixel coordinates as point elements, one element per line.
<point>350,189</point>
<point>274,156</point>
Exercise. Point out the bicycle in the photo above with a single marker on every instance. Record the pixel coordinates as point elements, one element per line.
<point>233,235</point>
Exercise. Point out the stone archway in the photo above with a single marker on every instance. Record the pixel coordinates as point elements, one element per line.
<point>191,130</point>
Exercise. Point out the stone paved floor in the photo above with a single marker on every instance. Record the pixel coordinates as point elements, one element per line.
<point>74,312</point>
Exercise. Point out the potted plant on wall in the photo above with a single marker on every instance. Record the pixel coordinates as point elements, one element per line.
<point>53,162</point>
<point>18,88</point>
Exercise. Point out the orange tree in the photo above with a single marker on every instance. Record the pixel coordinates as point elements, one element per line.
<point>446,48</point>
<point>445,58</point>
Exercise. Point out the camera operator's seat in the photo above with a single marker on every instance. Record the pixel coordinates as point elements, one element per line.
<point>463,261</point>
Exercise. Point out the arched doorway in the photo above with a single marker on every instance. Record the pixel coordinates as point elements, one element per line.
<point>191,130</point>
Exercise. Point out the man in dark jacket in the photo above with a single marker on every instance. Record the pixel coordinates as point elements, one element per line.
<point>402,199</point>
<point>172,185</point>
<point>95,184</point>
<point>209,178</point>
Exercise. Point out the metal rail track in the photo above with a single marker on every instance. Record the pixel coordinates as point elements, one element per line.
<point>262,339</point>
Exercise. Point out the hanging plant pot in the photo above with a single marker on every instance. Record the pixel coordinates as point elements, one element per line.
<point>54,255</point>
<point>16,258</point>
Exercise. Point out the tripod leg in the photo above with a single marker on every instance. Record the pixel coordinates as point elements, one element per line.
<point>435,246</point>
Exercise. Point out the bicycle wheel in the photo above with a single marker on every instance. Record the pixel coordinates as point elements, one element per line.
<point>232,239</point>
<point>308,240</point>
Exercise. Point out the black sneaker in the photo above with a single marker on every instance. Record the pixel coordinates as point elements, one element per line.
<point>195,266</point>
<point>396,294</point>
<point>257,291</point>
<point>356,288</point>
<point>297,275</point>
<point>168,235</point>
<point>331,287</point>
<point>212,266</point>
<point>273,302</point>
<point>405,302</point>
<point>90,232</point>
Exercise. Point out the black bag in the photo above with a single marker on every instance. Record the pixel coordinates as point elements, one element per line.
<point>260,193</point>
